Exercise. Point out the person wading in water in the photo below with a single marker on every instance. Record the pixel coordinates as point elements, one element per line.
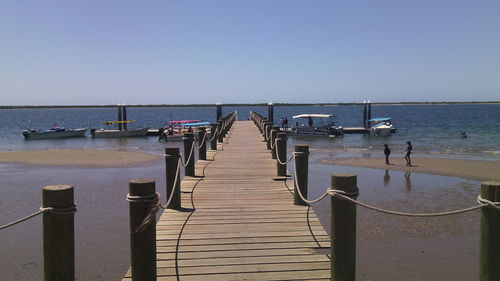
<point>408,150</point>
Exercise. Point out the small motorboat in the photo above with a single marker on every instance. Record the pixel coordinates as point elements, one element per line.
<point>325,126</point>
<point>122,132</point>
<point>381,126</point>
<point>176,129</point>
<point>54,133</point>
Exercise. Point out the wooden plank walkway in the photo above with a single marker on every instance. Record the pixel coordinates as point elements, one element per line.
<point>245,226</point>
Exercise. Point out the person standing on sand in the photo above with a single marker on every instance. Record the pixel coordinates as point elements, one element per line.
<point>387,151</point>
<point>408,150</point>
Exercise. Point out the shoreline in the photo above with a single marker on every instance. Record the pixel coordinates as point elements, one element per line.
<point>480,170</point>
<point>77,158</point>
<point>246,104</point>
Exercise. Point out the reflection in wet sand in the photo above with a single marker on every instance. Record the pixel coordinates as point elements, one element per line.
<point>408,180</point>
<point>387,178</point>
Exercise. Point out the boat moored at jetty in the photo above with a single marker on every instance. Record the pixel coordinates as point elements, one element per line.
<point>54,133</point>
<point>175,130</point>
<point>381,126</point>
<point>324,127</point>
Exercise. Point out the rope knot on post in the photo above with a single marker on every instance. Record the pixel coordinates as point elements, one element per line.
<point>67,210</point>
<point>342,194</point>
<point>488,203</point>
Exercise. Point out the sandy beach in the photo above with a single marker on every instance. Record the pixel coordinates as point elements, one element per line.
<point>470,169</point>
<point>77,157</point>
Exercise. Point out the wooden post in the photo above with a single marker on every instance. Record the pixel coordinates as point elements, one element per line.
<point>202,139</point>
<point>142,244</point>
<point>213,131</point>
<point>58,233</point>
<point>343,229</point>
<point>120,117</point>
<point>267,136</point>
<point>274,133</point>
<point>220,137</point>
<point>188,144</point>
<point>281,153</point>
<point>171,163</point>
<point>302,172</point>
<point>124,117</point>
<point>219,110</point>
<point>270,112</point>
<point>489,254</point>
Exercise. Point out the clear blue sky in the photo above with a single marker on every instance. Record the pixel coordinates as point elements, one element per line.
<point>150,52</point>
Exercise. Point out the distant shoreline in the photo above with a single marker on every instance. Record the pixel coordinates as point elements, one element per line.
<point>243,104</point>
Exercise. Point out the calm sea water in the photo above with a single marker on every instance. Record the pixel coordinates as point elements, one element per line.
<point>433,129</point>
<point>406,246</point>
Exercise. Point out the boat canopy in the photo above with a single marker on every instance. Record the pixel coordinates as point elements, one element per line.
<point>312,116</point>
<point>382,119</point>
<point>118,122</point>
<point>196,124</point>
<point>184,121</point>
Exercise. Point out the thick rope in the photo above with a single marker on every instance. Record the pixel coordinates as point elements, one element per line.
<point>341,194</point>
<point>202,143</point>
<point>278,156</point>
<point>71,210</point>
<point>189,158</point>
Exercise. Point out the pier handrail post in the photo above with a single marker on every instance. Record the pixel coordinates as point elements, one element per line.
<point>489,253</point>
<point>188,150</point>
<point>267,134</point>
<point>302,172</point>
<point>213,131</point>
<point>171,163</point>
<point>58,233</point>
<point>202,150</point>
<point>343,229</point>
<point>274,133</point>
<point>220,129</point>
<point>281,153</point>
<point>143,243</point>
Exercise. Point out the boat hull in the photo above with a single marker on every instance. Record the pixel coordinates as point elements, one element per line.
<point>54,134</point>
<point>119,134</point>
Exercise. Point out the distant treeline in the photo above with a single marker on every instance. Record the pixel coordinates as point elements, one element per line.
<point>242,104</point>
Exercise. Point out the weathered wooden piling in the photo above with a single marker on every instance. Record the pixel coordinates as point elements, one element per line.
<point>343,229</point>
<point>281,153</point>
<point>220,128</point>
<point>274,133</point>
<point>218,107</point>
<point>213,136</point>
<point>489,254</point>
<point>267,137</point>
<point>172,172</point>
<point>270,112</point>
<point>302,172</point>
<point>202,149</point>
<point>188,154</point>
<point>142,243</point>
<point>59,233</point>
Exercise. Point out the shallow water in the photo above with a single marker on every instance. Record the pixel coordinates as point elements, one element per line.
<point>406,248</point>
<point>389,248</point>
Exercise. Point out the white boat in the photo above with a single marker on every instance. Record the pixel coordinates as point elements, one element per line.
<point>324,127</point>
<point>119,133</point>
<point>381,126</point>
<point>54,133</point>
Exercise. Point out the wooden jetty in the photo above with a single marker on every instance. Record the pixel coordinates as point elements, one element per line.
<point>237,223</point>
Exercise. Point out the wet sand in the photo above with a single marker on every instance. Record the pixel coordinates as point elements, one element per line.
<point>78,157</point>
<point>469,169</point>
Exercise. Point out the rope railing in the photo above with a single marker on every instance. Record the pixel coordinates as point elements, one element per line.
<point>186,163</point>
<point>42,210</point>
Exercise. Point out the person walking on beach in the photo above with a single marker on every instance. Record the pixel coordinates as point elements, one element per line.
<point>408,150</point>
<point>387,152</point>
